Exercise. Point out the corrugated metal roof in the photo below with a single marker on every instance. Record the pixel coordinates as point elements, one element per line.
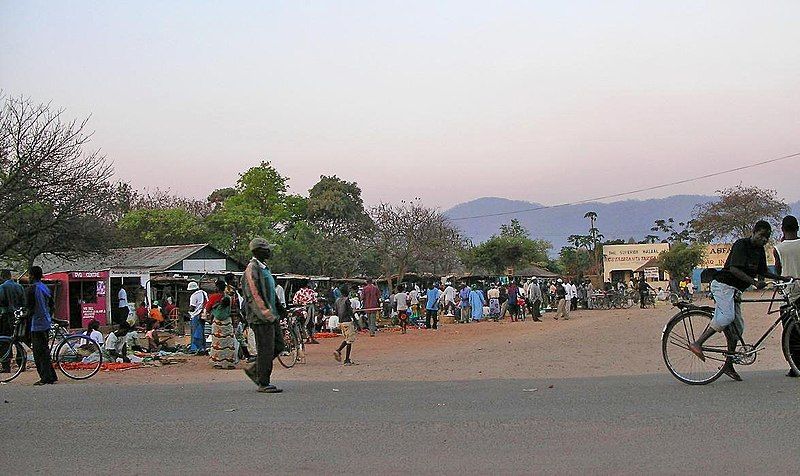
<point>153,258</point>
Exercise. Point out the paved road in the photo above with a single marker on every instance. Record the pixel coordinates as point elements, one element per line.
<point>641,424</point>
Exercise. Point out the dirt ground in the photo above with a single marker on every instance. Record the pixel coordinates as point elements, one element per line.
<point>590,344</point>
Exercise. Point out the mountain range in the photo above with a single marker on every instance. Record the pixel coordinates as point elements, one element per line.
<point>616,220</point>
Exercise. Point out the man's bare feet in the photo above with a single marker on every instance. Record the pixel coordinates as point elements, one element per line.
<point>697,350</point>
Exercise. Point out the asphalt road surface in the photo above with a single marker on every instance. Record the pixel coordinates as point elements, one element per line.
<point>642,424</point>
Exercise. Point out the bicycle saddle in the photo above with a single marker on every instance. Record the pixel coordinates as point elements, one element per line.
<point>61,322</point>
<point>687,306</point>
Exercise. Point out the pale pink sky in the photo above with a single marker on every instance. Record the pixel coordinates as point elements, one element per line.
<point>541,101</point>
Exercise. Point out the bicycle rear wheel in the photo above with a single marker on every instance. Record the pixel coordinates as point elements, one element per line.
<point>78,357</point>
<point>683,329</point>
<point>791,344</point>
<point>288,357</point>
<point>13,360</point>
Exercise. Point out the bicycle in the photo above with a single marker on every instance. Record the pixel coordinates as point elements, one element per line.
<point>727,346</point>
<point>68,355</point>
<point>292,338</point>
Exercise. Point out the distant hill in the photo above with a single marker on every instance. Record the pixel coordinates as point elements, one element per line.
<point>617,220</point>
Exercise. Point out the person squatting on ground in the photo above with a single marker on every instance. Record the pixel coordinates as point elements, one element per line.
<point>562,309</point>
<point>12,298</point>
<point>432,306</point>
<point>261,312</point>
<point>746,261</point>
<point>371,295</point>
<point>787,263</point>
<point>223,345</point>
<point>344,310</point>
<point>40,306</point>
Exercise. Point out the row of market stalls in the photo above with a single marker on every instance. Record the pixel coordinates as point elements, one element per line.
<point>87,287</point>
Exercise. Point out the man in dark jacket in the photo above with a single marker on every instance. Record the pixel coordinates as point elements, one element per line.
<point>12,297</point>
<point>40,305</point>
<point>261,311</point>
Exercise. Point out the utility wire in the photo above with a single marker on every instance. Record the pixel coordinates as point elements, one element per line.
<point>622,194</point>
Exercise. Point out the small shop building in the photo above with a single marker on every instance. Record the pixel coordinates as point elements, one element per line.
<point>89,285</point>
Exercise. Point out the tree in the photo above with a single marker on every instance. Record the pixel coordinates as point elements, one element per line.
<point>575,261</point>
<point>161,226</point>
<point>737,210</point>
<point>512,247</point>
<point>681,258</point>
<point>410,236</point>
<point>54,195</point>
<point>683,232</point>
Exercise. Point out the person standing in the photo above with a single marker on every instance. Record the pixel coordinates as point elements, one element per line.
<point>562,309</point>
<point>413,296</point>
<point>476,303</point>
<point>432,306</point>
<point>573,296</point>
<point>513,297</point>
<point>223,345</point>
<point>344,311</point>
<point>463,304</point>
<point>400,303</point>
<point>493,295</point>
<point>261,312</point>
<point>12,298</point>
<point>589,295</point>
<point>371,296</point>
<point>535,299</point>
<point>40,307</point>
<point>122,310</point>
<point>644,292</point>
<point>787,261</point>
<point>449,300</point>
<point>197,302</point>
<point>307,297</point>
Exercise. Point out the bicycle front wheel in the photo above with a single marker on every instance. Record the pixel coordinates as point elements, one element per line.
<point>791,344</point>
<point>684,329</point>
<point>78,357</point>
<point>13,359</point>
<point>289,356</point>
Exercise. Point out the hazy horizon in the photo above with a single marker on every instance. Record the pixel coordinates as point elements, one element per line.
<point>453,101</point>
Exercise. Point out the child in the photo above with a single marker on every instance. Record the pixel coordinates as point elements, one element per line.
<point>401,306</point>
<point>115,344</point>
<point>345,312</point>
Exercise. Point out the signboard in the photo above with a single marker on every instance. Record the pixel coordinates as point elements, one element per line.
<point>204,265</point>
<point>629,257</point>
<point>91,311</point>
<point>717,254</point>
<point>651,274</point>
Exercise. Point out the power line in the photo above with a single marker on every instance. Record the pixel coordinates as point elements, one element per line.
<point>622,194</point>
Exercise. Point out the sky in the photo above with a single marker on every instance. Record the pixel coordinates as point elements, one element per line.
<point>446,101</point>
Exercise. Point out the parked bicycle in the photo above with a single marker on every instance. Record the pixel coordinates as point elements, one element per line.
<point>77,355</point>
<point>292,336</point>
<point>691,321</point>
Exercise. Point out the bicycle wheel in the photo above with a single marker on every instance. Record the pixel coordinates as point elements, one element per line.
<point>288,357</point>
<point>683,329</point>
<point>791,343</point>
<point>78,357</point>
<point>625,302</point>
<point>14,359</point>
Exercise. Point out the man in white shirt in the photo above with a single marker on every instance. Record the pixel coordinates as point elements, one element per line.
<point>449,300</point>
<point>401,306</point>
<point>280,293</point>
<point>787,261</point>
<point>197,302</point>
<point>122,306</point>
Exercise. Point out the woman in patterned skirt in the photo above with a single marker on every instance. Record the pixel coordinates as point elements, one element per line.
<point>222,337</point>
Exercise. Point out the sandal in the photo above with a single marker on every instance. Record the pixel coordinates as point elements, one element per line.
<point>698,351</point>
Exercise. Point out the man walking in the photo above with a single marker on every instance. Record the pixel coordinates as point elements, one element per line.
<point>371,295</point>
<point>787,260</point>
<point>450,300</point>
<point>258,287</point>
<point>40,307</point>
<point>432,306</point>
<point>344,311</point>
<point>12,297</point>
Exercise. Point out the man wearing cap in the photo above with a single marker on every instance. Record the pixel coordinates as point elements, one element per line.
<point>197,302</point>
<point>258,288</point>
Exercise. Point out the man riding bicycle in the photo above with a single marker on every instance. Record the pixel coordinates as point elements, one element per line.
<point>747,261</point>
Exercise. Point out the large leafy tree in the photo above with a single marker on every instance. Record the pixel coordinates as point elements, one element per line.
<point>512,247</point>
<point>737,210</point>
<point>681,258</point>
<point>53,192</point>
